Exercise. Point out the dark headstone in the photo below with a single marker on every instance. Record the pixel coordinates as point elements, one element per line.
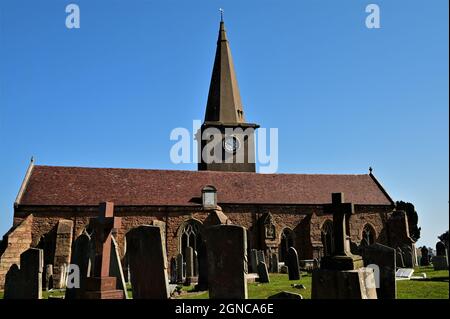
<point>226,246</point>
<point>180,268</point>
<point>286,295</point>
<point>82,257</point>
<point>195,263</point>
<point>173,270</point>
<point>292,264</point>
<point>425,259</point>
<point>26,282</point>
<point>441,250</point>
<point>260,257</point>
<point>148,264</point>
<point>48,277</point>
<point>13,283</point>
<point>254,260</point>
<point>408,257</point>
<point>202,267</point>
<point>189,255</point>
<point>263,273</point>
<point>399,258</point>
<point>384,259</point>
<point>274,263</point>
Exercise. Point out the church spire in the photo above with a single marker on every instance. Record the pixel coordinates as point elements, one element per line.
<point>224,100</point>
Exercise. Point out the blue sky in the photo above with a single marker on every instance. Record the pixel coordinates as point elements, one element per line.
<point>343,97</point>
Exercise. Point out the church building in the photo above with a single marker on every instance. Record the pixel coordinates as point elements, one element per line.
<point>55,204</point>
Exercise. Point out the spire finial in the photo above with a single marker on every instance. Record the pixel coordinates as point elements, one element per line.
<point>370,169</point>
<point>221,14</point>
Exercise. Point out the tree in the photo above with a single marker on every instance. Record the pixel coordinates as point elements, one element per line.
<point>444,238</point>
<point>413,218</point>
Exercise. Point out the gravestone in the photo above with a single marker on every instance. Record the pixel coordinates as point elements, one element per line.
<point>404,273</point>
<point>195,263</point>
<point>292,264</point>
<point>115,268</point>
<point>399,258</point>
<point>261,258</point>
<point>263,273</point>
<point>63,248</point>
<point>13,283</point>
<point>425,259</point>
<point>26,282</point>
<point>226,245</point>
<point>189,254</point>
<point>408,257</point>
<point>173,270</point>
<point>202,267</point>
<point>254,260</point>
<point>440,261</point>
<point>342,275</point>
<point>101,285</point>
<point>82,252</point>
<point>384,258</point>
<point>48,280</point>
<point>274,263</point>
<point>148,263</point>
<point>180,268</point>
<point>286,295</point>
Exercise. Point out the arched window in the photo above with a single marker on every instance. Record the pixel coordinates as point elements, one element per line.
<point>327,238</point>
<point>368,235</point>
<point>191,235</point>
<point>287,240</point>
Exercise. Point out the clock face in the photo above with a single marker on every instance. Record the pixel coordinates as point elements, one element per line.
<point>231,144</point>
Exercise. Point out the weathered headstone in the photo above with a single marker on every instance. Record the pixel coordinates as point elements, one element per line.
<point>226,246</point>
<point>82,257</point>
<point>101,285</point>
<point>148,263</point>
<point>48,280</point>
<point>292,264</point>
<point>62,252</point>
<point>274,263</point>
<point>425,259</point>
<point>263,273</point>
<point>173,270</point>
<point>342,275</point>
<point>408,258</point>
<point>404,273</point>
<point>26,282</point>
<point>384,258</point>
<point>189,255</point>
<point>254,260</point>
<point>115,268</point>
<point>13,283</point>
<point>399,257</point>
<point>180,268</point>
<point>261,258</point>
<point>440,261</point>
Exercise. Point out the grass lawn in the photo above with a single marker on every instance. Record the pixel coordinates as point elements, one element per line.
<point>436,286</point>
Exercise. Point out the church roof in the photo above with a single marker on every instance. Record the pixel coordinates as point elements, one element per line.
<point>78,186</point>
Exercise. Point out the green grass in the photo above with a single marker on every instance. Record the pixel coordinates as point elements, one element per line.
<point>436,286</point>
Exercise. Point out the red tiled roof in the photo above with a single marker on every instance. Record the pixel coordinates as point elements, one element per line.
<point>77,186</point>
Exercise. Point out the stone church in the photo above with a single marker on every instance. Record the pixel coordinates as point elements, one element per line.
<point>54,204</point>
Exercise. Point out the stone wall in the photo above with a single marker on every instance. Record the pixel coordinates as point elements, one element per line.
<point>305,220</point>
<point>14,243</point>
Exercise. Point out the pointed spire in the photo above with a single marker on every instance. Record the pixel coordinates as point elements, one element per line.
<point>224,100</point>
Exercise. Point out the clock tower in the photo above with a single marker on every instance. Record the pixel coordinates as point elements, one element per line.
<point>226,140</point>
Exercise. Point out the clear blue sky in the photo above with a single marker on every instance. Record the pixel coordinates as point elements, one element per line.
<point>343,97</point>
